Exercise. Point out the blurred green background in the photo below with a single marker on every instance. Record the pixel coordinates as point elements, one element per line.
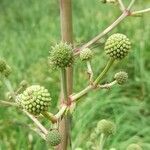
<point>27,30</point>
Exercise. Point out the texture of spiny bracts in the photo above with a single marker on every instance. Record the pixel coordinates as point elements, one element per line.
<point>35,99</point>
<point>53,137</point>
<point>121,77</point>
<point>61,56</point>
<point>86,54</point>
<point>117,46</point>
<point>106,127</point>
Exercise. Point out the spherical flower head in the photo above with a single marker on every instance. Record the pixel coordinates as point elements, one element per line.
<point>35,99</point>
<point>61,56</point>
<point>86,54</point>
<point>134,147</point>
<point>106,127</point>
<point>117,46</point>
<point>53,137</point>
<point>2,65</point>
<point>121,77</point>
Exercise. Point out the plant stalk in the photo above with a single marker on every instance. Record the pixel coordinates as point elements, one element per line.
<point>67,36</point>
<point>103,73</point>
<point>102,141</point>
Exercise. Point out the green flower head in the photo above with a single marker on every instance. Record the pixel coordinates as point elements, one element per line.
<point>106,127</point>
<point>117,46</point>
<point>86,54</point>
<point>35,99</point>
<point>121,77</point>
<point>53,137</point>
<point>61,56</point>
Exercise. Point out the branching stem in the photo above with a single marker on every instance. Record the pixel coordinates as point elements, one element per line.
<point>64,83</point>
<point>107,30</point>
<point>140,11</point>
<point>103,73</point>
<point>131,4</point>
<point>38,124</point>
<point>89,71</point>
<point>50,116</point>
<point>6,103</point>
<point>61,112</point>
<point>122,7</point>
<point>102,141</point>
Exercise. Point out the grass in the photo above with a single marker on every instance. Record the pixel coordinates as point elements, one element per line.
<point>28,28</point>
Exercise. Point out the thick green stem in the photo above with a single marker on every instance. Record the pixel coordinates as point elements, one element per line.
<point>103,73</point>
<point>64,83</point>
<point>96,82</point>
<point>9,87</point>
<point>102,141</point>
<point>49,116</point>
<point>82,93</point>
<point>67,36</point>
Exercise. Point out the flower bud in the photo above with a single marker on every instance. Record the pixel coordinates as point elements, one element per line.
<point>121,77</point>
<point>61,56</point>
<point>106,127</point>
<point>86,54</point>
<point>35,99</point>
<point>117,46</point>
<point>53,137</point>
<point>134,147</point>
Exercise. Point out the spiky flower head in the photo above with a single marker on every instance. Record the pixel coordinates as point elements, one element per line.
<point>121,77</point>
<point>61,56</point>
<point>117,46</point>
<point>106,127</point>
<point>86,54</point>
<point>134,147</point>
<point>2,65</point>
<point>7,71</point>
<point>53,137</point>
<point>35,99</point>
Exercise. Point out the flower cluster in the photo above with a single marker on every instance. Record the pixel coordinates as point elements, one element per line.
<point>35,99</point>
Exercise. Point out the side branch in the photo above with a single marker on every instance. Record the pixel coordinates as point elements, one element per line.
<point>122,7</point>
<point>140,12</point>
<point>107,30</point>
